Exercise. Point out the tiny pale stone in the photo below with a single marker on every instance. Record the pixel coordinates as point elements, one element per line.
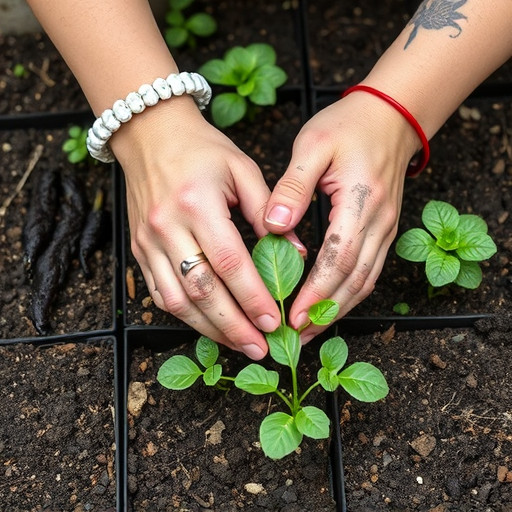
<point>254,488</point>
<point>137,397</point>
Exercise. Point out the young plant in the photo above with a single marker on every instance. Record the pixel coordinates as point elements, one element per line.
<point>75,146</point>
<point>280,266</point>
<point>183,30</point>
<point>451,248</point>
<point>19,71</point>
<point>253,73</point>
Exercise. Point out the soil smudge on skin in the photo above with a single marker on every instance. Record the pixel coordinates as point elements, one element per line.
<point>363,192</point>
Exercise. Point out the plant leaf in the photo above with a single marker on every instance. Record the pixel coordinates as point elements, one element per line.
<point>441,268</point>
<point>227,109</point>
<point>279,264</point>
<point>415,245</point>
<point>279,435</point>
<point>201,24</point>
<point>241,61</point>
<point>312,422</point>
<point>263,53</point>
<point>175,18</point>
<point>257,380</point>
<point>469,223</point>
<point>246,88</point>
<point>334,353</point>
<point>476,247</point>
<point>323,312</point>
<point>178,372</point>
<point>364,382</point>
<point>75,132</point>
<point>180,4</point>
<point>440,217</point>
<point>69,145</point>
<point>470,275</point>
<point>217,71</point>
<point>274,75</point>
<point>328,379</point>
<point>212,375</point>
<point>263,93</point>
<point>176,37</point>
<point>284,345</point>
<point>207,351</point>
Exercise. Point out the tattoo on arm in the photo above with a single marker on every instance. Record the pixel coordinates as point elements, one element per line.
<point>435,15</point>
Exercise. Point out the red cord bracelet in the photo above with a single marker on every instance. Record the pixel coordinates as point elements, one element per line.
<point>418,163</point>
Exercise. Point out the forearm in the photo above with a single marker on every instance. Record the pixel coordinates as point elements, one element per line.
<point>431,71</point>
<point>111,46</point>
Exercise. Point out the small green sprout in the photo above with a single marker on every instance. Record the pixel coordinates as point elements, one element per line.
<point>19,71</point>
<point>281,266</point>
<point>253,73</point>
<point>451,248</point>
<point>401,308</point>
<point>75,146</point>
<point>182,30</point>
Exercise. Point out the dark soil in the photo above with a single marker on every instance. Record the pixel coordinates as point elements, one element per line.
<point>57,440</point>
<point>441,441</point>
<point>198,449</point>
<point>82,305</point>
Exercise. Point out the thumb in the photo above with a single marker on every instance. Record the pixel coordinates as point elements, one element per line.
<point>291,197</point>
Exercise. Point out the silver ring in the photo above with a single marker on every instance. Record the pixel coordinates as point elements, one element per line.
<point>189,263</point>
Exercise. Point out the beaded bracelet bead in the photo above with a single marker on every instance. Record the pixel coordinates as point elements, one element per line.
<point>136,102</point>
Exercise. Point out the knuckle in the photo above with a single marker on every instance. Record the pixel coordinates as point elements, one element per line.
<point>358,283</point>
<point>227,263</point>
<point>291,187</point>
<point>201,288</point>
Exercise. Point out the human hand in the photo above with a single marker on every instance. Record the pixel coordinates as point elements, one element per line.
<point>356,151</point>
<point>182,178</point>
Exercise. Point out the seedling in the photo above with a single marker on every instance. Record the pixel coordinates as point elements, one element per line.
<point>183,30</point>
<point>75,146</point>
<point>253,73</point>
<point>281,266</point>
<point>19,71</point>
<point>452,247</point>
<point>401,308</point>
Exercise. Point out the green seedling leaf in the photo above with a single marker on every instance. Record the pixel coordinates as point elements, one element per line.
<point>274,75</point>
<point>401,308</point>
<point>279,264</point>
<point>334,353</point>
<point>75,132</point>
<point>328,379</point>
<point>312,422</point>
<point>323,312</point>
<point>284,346</point>
<point>212,375</point>
<point>476,247</point>
<point>440,218</point>
<point>415,245</point>
<point>178,372</point>
<point>263,94</point>
<point>242,61</point>
<point>69,145</point>
<point>78,155</point>
<point>246,88</point>
<point>176,36</point>
<point>470,275</point>
<point>263,53</point>
<point>364,382</point>
<point>279,435</point>
<point>219,72</point>
<point>201,24</point>
<point>180,4</point>
<point>207,351</point>
<point>227,109</point>
<point>469,223</point>
<point>175,18</point>
<point>441,268</point>
<point>257,380</point>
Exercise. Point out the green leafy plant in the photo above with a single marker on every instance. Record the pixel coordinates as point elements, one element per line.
<point>75,146</point>
<point>182,30</point>
<point>401,308</point>
<point>452,247</point>
<point>19,71</point>
<point>281,266</point>
<point>253,72</point>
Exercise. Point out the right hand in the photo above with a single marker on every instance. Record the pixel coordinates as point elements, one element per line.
<point>182,178</point>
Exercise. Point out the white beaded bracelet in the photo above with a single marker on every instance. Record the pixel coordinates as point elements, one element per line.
<point>148,95</point>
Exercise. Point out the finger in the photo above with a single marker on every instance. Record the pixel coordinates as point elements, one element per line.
<point>347,300</point>
<point>293,192</point>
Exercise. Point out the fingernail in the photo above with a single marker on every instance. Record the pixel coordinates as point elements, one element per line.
<point>302,319</point>
<point>266,323</point>
<point>253,351</point>
<point>294,239</point>
<point>279,215</point>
